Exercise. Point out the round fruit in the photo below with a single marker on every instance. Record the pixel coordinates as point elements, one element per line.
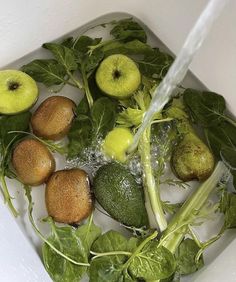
<point>18,92</point>
<point>68,197</point>
<point>52,120</point>
<point>117,142</point>
<point>33,162</point>
<point>118,76</point>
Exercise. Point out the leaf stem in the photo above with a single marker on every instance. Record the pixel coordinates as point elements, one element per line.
<point>41,236</point>
<point>98,255</point>
<point>86,88</point>
<point>7,196</point>
<point>139,248</point>
<point>77,83</point>
<point>149,180</point>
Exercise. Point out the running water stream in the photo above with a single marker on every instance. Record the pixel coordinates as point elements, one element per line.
<point>181,64</point>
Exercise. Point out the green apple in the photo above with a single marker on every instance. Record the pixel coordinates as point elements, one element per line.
<point>118,76</point>
<point>18,92</point>
<point>117,142</point>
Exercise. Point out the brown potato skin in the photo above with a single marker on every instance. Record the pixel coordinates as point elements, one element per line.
<point>33,162</point>
<point>68,197</point>
<point>52,120</point>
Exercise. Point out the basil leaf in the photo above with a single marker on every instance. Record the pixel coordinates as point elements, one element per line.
<point>206,108</point>
<point>103,115</point>
<point>134,47</point>
<point>48,72</point>
<point>185,256</point>
<point>109,242</point>
<point>63,55</point>
<point>88,233</point>
<point>79,135</point>
<point>60,269</point>
<point>155,64</point>
<point>127,30</point>
<point>153,263</point>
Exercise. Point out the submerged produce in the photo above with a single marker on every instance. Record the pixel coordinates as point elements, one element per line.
<point>118,193</point>
<point>162,243</point>
<point>68,197</point>
<point>33,162</point>
<point>18,92</point>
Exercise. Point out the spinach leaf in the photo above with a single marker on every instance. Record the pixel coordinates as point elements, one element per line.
<point>155,64</point>
<point>103,115</point>
<point>79,135</point>
<point>65,56</point>
<point>48,72</point>
<point>106,269</point>
<point>186,255</point>
<point>68,42</point>
<point>110,241</point>
<point>206,108</point>
<point>19,122</point>
<point>127,30</point>
<point>87,128</point>
<point>134,47</point>
<point>60,269</point>
<point>88,233</point>
<point>153,262</point>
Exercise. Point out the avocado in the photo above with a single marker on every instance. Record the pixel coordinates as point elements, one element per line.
<point>119,194</point>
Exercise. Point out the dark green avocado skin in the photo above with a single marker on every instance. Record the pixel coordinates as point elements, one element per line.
<point>119,194</point>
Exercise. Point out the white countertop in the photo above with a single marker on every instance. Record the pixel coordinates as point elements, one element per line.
<point>26,24</point>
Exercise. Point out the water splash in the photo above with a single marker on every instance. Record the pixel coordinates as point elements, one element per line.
<point>179,68</point>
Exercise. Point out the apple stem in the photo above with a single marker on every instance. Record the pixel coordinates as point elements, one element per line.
<point>7,196</point>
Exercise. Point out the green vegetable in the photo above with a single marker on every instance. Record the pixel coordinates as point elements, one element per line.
<point>60,269</point>
<point>127,29</point>
<point>115,263</point>
<point>19,122</point>
<point>186,257</point>
<point>155,64</point>
<point>208,110</point>
<point>151,263</point>
<point>49,72</point>
<point>88,127</point>
<point>118,193</point>
<point>192,211</point>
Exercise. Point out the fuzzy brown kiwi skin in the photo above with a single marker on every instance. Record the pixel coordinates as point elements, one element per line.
<point>68,197</point>
<point>33,162</point>
<point>53,118</point>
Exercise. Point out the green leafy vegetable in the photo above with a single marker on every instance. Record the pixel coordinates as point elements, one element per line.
<point>64,55</point>
<point>127,29</point>
<point>152,263</point>
<point>206,108</point>
<point>64,239</point>
<point>186,257</point>
<point>155,64</point>
<point>89,127</point>
<point>19,122</point>
<point>48,72</point>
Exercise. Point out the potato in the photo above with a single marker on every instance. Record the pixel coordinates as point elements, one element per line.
<point>32,162</point>
<point>53,118</point>
<point>68,197</point>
